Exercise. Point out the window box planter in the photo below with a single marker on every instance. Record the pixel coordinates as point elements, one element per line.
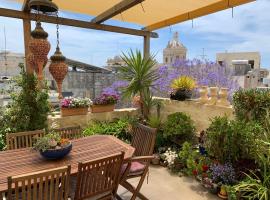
<point>73,111</point>
<point>102,108</point>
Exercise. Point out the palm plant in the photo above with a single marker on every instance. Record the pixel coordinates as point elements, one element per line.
<point>140,73</point>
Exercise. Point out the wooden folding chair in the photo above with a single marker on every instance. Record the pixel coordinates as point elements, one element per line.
<point>143,139</point>
<point>73,132</point>
<point>50,184</point>
<point>99,179</point>
<point>23,139</point>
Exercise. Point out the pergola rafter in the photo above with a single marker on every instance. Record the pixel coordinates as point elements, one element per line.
<point>115,10</point>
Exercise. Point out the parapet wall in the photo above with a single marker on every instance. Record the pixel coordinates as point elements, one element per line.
<point>57,121</point>
<point>200,113</point>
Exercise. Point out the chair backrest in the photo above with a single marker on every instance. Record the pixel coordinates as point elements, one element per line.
<point>23,139</point>
<point>50,184</point>
<point>69,132</point>
<point>98,177</point>
<point>143,140</point>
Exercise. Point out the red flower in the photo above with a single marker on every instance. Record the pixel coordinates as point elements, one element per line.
<point>205,168</point>
<point>195,172</point>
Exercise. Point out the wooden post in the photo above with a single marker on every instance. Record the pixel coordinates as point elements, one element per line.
<point>146,46</point>
<point>27,36</point>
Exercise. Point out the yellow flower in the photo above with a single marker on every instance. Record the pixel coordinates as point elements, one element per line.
<point>183,82</point>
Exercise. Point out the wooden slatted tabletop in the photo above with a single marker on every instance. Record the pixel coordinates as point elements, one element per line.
<point>20,161</point>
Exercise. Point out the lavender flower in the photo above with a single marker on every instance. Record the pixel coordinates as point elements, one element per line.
<point>223,173</point>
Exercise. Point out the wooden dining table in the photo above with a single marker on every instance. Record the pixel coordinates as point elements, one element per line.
<point>26,160</point>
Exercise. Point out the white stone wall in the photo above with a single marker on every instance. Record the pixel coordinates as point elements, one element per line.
<point>200,113</point>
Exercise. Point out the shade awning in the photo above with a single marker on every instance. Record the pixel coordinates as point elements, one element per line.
<point>151,14</point>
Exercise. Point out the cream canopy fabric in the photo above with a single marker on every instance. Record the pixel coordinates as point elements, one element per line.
<point>152,14</point>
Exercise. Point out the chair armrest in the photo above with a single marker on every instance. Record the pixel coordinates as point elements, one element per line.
<point>142,158</point>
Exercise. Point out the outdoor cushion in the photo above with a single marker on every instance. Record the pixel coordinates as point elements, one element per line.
<point>135,168</point>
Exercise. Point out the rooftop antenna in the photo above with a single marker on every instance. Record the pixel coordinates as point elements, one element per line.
<point>203,56</point>
<point>5,52</point>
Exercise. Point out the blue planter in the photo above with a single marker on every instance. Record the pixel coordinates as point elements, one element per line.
<point>54,154</point>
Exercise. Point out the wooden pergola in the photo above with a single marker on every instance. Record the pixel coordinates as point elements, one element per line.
<point>150,14</point>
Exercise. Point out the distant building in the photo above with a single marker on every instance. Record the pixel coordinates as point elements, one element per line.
<point>114,63</point>
<point>253,59</point>
<point>82,80</point>
<point>9,62</point>
<point>175,50</point>
<point>255,78</point>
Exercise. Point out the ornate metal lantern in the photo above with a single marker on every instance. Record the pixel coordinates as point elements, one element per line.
<point>58,68</point>
<point>39,47</point>
<point>45,6</point>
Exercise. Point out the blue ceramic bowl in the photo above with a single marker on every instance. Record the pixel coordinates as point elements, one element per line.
<point>54,154</point>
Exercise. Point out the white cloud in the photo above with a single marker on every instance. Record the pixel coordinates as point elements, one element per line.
<point>248,30</point>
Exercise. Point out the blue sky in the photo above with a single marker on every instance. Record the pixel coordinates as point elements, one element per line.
<point>249,30</point>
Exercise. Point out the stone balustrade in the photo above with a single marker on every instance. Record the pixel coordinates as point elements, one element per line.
<point>210,104</point>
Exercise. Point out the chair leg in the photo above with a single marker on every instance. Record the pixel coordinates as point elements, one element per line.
<point>137,190</point>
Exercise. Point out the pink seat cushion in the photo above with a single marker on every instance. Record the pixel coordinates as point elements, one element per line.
<point>136,168</point>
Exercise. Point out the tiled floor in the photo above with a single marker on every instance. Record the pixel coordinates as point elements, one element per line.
<point>165,186</point>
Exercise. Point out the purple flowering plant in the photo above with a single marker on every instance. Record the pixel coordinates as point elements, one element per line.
<point>224,174</point>
<point>72,102</point>
<point>106,98</point>
<point>205,73</point>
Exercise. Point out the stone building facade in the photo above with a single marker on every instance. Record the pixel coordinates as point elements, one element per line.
<point>82,80</point>
<point>228,58</point>
<point>175,50</point>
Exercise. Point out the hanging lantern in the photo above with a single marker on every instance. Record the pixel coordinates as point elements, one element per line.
<point>45,6</point>
<point>40,47</point>
<point>58,68</point>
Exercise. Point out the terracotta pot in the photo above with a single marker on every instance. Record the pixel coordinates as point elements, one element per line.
<point>102,108</point>
<point>73,111</point>
<point>156,159</point>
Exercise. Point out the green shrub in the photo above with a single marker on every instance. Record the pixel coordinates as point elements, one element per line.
<point>118,128</point>
<point>29,106</point>
<point>230,140</point>
<point>179,127</point>
<point>251,104</point>
<point>185,152</point>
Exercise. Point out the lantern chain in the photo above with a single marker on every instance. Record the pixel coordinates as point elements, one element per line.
<point>57,29</point>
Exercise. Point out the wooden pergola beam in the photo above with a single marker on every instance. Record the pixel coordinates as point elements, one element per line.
<point>115,10</point>
<point>75,23</point>
<point>25,7</point>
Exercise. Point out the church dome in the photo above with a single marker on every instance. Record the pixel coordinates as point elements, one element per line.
<point>175,43</point>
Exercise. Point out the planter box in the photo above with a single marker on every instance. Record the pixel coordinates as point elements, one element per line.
<point>73,111</point>
<point>102,108</point>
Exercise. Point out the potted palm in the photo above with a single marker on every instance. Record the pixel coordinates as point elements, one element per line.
<point>52,147</point>
<point>104,103</point>
<point>141,74</point>
<point>74,106</point>
<point>182,88</point>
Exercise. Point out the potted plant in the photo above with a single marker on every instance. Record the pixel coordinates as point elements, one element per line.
<point>74,106</point>
<point>182,88</point>
<point>52,147</point>
<point>104,103</point>
<point>223,175</point>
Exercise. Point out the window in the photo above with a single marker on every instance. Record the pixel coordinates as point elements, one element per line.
<point>220,63</point>
<point>251,62</point>
<point>166,60</point>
